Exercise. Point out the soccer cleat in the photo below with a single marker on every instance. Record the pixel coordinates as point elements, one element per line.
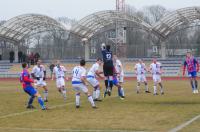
<point>98,100</point>
<point>46,100</point>
<point>45,108</point>
<point>94,107</point>
<point>77,106</point>
<point>147,92</point>
<point>137,92</point>
<point>193,91</point>
<point>162,93</point>
<point>30,107</point>
<point>155,94</point>
<point>109,91</point>
<point>122,98</point>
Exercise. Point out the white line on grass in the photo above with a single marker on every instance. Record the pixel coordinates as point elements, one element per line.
<point>178,128</point>
<point>26,112</point>
<point>68,130</point>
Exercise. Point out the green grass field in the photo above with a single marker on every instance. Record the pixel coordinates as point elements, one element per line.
<point>138,112</point>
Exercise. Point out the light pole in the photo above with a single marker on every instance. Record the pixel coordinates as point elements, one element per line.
<point>87,50</point>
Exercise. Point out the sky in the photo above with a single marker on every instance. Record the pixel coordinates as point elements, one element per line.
<point>77,9</point>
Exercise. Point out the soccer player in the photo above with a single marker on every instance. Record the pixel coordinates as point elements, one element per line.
<point>79,83</point>
<point>192,67</point>
<point>29,89</point>
<point>156,71</point>
<point>91,78</point>
<point>140,70</point>
<point>107,68</point>
<point>39,74</point>
<point>59,73</point>
<point>118,78</point>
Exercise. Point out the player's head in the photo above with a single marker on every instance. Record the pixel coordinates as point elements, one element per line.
<point>108,47</point>
<point>99,61</point>
<point>188,54</point>
<point>39,62</point>
<point>154,60</point>
<point>140,61</point>
<point>24,65</point>
<point>82,62</point>
<point>115,57</point>
<point>58,62</point>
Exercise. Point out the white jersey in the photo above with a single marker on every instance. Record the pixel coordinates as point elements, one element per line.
<point>93,69</point>
<point>38,71</point>
<point>59,71</point>
<point>119,67</point>
<point>155,68</point>
<point>140,68</point>
<point>77,73</point>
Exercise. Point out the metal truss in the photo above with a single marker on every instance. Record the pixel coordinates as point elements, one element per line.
<point>93,23</point>
<point>23,26</point>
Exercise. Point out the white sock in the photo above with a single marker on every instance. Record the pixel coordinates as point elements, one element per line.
<point>146,86</point>
<point>94,94</point>
<point>64,92</point>
<point>45,95</point>
<point>97,93</point>
<point>122,91</point>
<point>154,89</point>
<point>78,100</point>
<point>138,88</point>
<point>90,99</point>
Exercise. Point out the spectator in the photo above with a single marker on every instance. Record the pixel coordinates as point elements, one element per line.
<point>11,58</point>
<point>36,57</point>
<point>31,58</point>
<point>20,57</point>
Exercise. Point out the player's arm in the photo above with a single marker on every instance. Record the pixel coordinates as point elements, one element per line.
<point>98,73</point>
<point>27,79</point>
<point>184,67</point>
<point>103,46</point>
<point>65,71</point>
<point>33,75</point>
<point>197,65</point>
<point>45,73</point>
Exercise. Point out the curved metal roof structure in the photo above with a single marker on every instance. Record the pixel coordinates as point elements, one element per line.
<point>22,26</point>
<point>176,20</point>
<point>93,23</point>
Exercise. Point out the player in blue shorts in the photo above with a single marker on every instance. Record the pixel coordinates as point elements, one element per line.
<point>29,89</point>
<point>192,66</point>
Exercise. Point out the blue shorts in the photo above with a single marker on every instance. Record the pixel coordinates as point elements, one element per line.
<point>115,81</point>
<point>192,74</point>
<point>30,90</point>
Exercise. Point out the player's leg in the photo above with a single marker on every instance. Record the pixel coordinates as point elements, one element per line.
<point>63,89</point>
<point>106,85</point>
<point>192,84</point>
<point>30,102</point>
<point>90,99</point>
<point>146,85</point>
<point>196,85</point>
<point>78,99</point>
<point>138,84</point>
<point>155,85</point>
<point>45,92</point>
<point>121,80</point>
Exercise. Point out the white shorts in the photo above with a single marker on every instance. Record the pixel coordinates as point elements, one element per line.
<point>157,78</point>
<point>40,83</point>
<point>141,78</point>
<point>60,82</point>
<point>120,79</point>
<point>93,81</point>
<point>80,87</point>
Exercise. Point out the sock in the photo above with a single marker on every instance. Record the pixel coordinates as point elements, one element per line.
<point>90,99</point>
<point>41,102</point>
<point>119,91</point>
<point>154,89</point>
<point>106,83</point>
<point>97,93</point>
<point>64,93</point>
<point>94,94</point>
<point>111,84</point>
<point>146,87</point>
<point>77,99</point>
<point>122,91</point>
<point>45,94</point>
<point>196,84</point>
<point>31,100</point>
<point>138,88</point>
<point>192,85</point>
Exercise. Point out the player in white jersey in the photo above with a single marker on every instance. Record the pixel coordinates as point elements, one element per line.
<point>79,83</point>
<point>59,72</point>
<point>156,71</point>
<point>91,78</point>
<point>119,76</point>
<point>140,71</point>
<point>39,74</point>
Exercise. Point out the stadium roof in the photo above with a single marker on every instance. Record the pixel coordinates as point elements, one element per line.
<point>176,20</point>
<point>23,26</point>
<point>91,24</point>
